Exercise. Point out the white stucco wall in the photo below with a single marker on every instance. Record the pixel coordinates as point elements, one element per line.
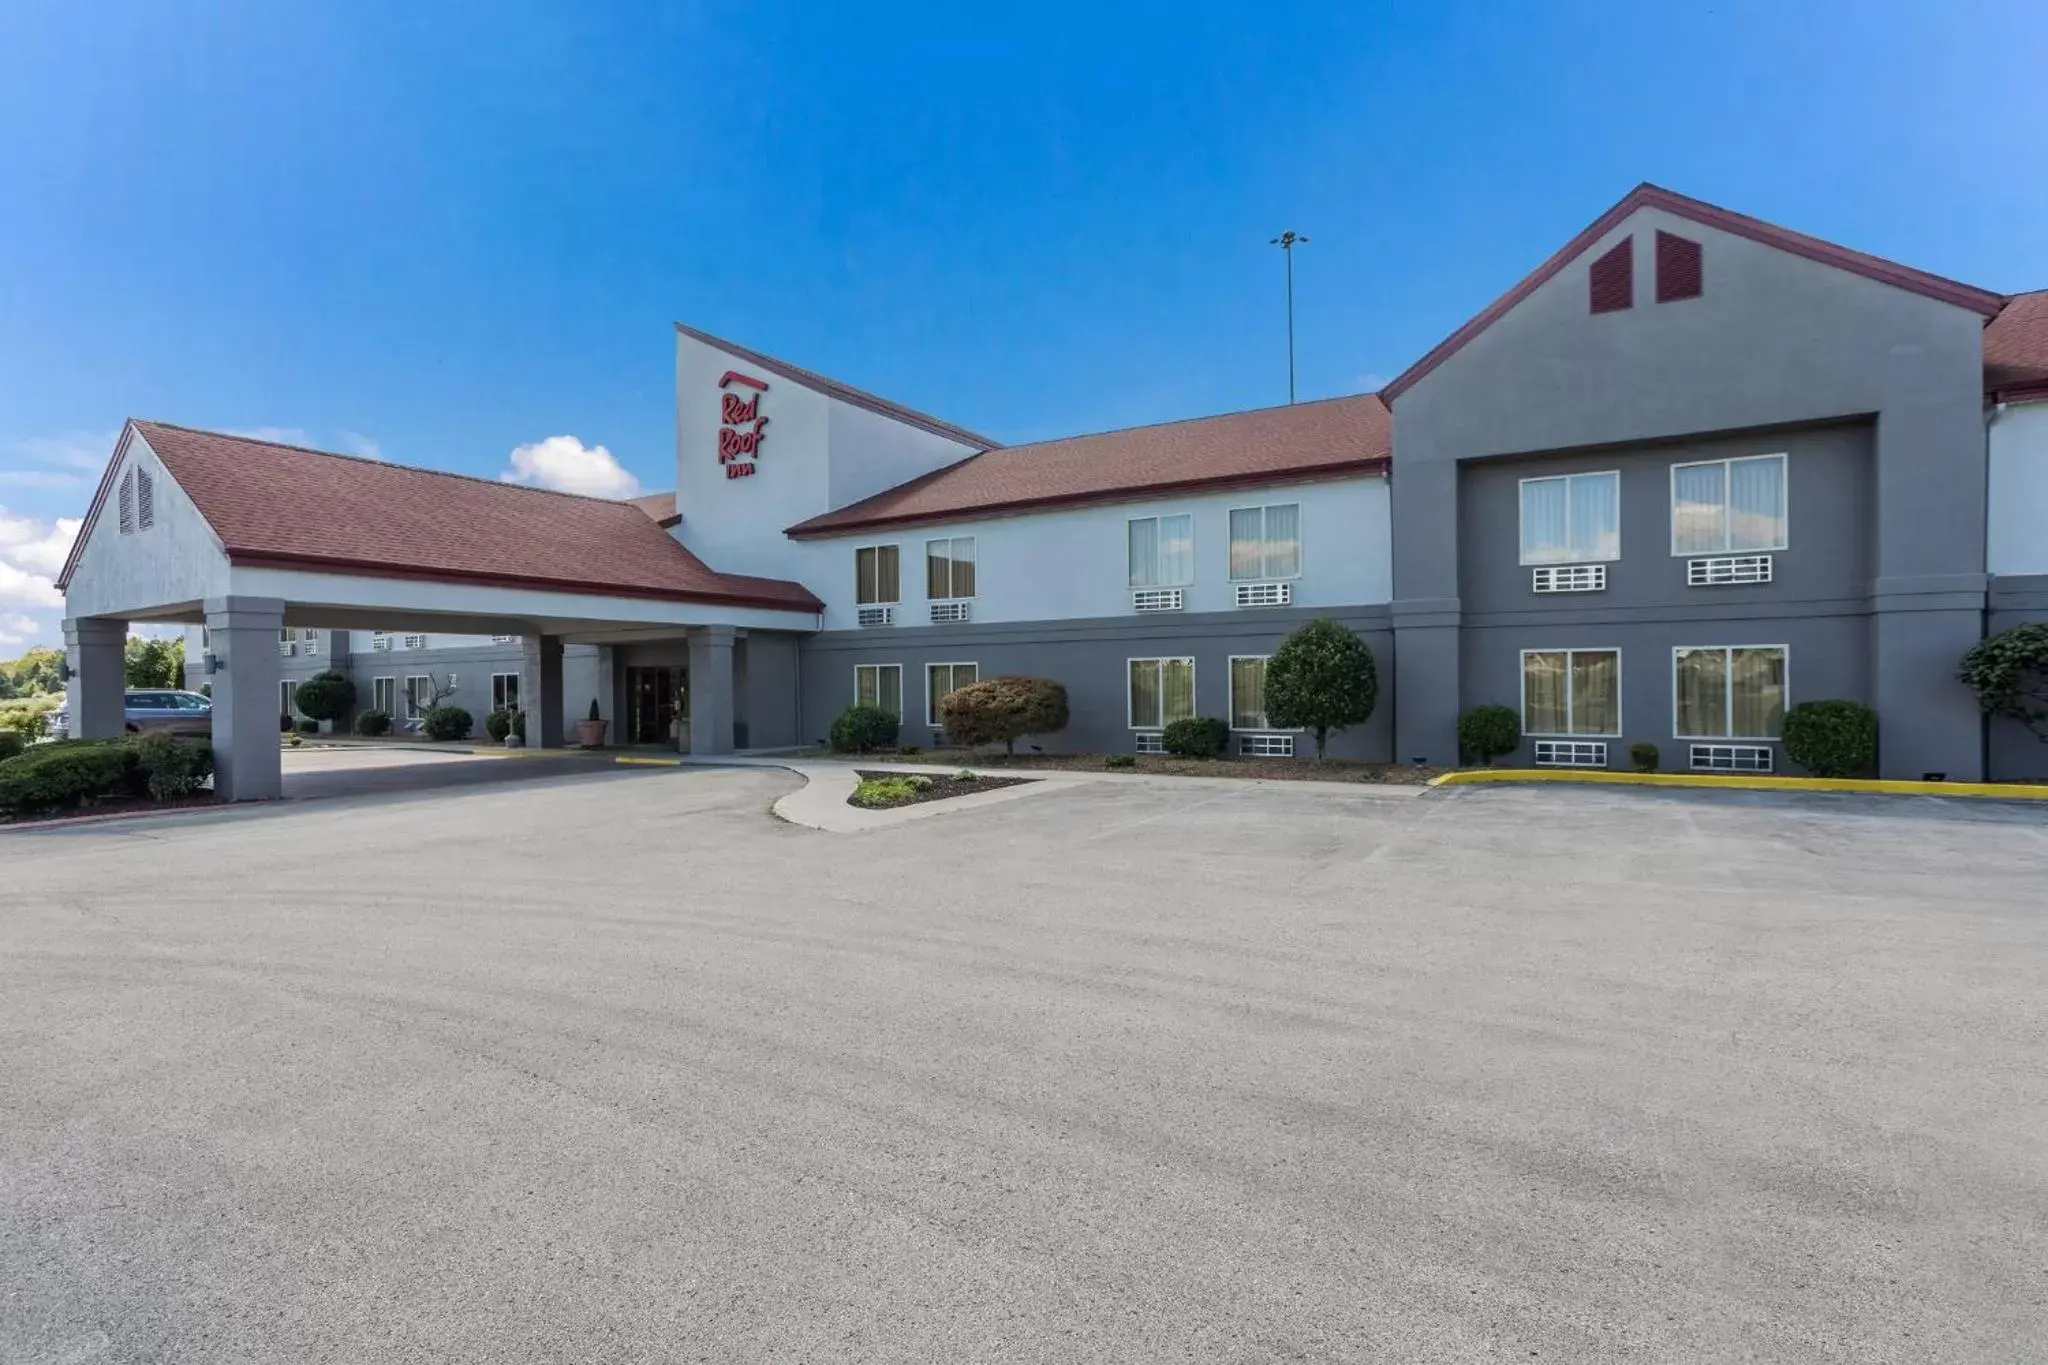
<point>177,561</point>
<point>1074,563</point>
<point>2017,534</point>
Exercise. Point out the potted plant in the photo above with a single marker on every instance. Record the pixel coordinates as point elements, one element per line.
<point>515,729</point>
<point>590,732</point>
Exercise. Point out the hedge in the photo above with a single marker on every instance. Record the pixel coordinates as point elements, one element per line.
<point>370,724</point>
<point>1831,738</point>
<point>1487,732</point>
<point>1196,737</point>
<point>446,723</point>
<point>860,729</point>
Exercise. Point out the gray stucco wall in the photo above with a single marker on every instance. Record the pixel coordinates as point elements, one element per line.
<point>1091,659</point>
<point>1775,340</point>
<point>2015,754</point>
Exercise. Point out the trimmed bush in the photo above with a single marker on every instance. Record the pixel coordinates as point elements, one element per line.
<point>371,724</point>
<point>11,743</point>
<point>1487,732</point>
<point>1005,709</point>
<point>285,724</point>
<point>1644,756</point>
<point>1196,737</point>
<point>890,791</point>
<point>172,767</point>
<point>446,723</point>
<point>1119,760</point>
<point>309,727</point>
<point>498,724</point>
<point>2009,673</point>
<point>68,774</point>
<point>1831,738</point>
<point>860,729</point>
<point>1321,678</point>
<point>327,695</point>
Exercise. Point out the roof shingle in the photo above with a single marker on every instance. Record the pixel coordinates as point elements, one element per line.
<point>2016,345</point>
<point>1325,439</point>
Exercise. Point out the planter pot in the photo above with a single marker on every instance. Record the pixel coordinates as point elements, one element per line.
<point>590,733</point>
<point>513,741</point>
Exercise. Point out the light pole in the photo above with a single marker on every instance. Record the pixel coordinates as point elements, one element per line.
<point>1287,241</point>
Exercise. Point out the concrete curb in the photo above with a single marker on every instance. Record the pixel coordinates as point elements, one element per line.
<point>2003,791</point>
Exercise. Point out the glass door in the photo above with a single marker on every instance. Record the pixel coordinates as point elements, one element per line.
<point>657,706</point>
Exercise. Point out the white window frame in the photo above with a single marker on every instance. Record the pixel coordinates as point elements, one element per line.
<point>1728,700</point>
<point>407,642</point>
<point>1300,544</point>
<point>858,669</point>
<point>1727,462</point>
<point>1568,651</point>
<point>520,678</point>
<point>288,698</point>
<point>1194,697</point>
<point>973,557</point>
<point>389,706</point>
<point>406,695</point>
<point>931,698</point>
<point>1185,581</point>
<point>309,642</point>
<point>1521,499</point>
<point>879,601</point>
<point>1230,700</point>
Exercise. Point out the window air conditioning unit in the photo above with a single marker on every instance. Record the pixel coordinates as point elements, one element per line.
<point>1570,753</point>
<point>1570,578</point>
<point>1726,569</point>
<point>877,616</point>
<point>1157,599</point>
<point>1265,746</point>
<point>1731,758</point>
<point>1265,594</point>
<point>944,612</point>
<point>1151,742</point>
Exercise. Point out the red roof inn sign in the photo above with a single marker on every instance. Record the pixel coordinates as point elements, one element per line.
<point>740,424</point>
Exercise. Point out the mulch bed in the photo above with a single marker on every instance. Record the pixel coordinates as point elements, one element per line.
<point>126,805</point>
<point>1253,769</point>
<point>942,787</point>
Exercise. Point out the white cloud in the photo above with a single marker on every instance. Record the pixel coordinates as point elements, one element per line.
<point>17,632</point>
<point>359,444</point>
<point>31,555</point>
<point>566,465</point>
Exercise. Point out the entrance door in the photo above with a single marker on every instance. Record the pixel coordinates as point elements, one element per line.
<point>657,706</point>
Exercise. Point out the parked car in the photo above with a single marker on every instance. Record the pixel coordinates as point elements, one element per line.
<point>179,713</point>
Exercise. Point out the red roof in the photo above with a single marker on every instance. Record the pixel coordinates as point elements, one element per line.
<point>1646,195</point>
<point>661,506</point>
<point>1325,439</point>
<point>2016,347</point>
<point>845,393</point>
<point>280,506</point>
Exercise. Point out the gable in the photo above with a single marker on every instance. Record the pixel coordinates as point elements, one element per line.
<point>143,543</point>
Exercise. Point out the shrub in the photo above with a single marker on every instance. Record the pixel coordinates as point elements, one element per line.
<point>519,724</point>
<point>1644,756</point>
<point>327,695</point>
<point>172,767</point>
<point>498,724</point>
<point>890,791</point>
<point>2009,673</point>
<point>1196,737</point>
<point>1831,738</point>
<point>309,727</point>
<point>1005,709</point>
<point>860,729</point>
<point>67,774</point>
<point>595,714</point>
<point>30,722</point>
<point>370,724</point>
<point>1487,732</point>
<point>966,775</point>
<point>1119,760</point>
<point>11,743</point>
<point>446,722</point>
<point>285,724</point>
<point>1321,678</point>
<point>910,749</point>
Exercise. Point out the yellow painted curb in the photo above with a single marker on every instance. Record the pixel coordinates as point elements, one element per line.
<point>2006,791</point>
<point>649,762</point>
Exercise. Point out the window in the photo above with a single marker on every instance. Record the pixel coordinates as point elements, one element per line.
<point>384,694</point>
<point>1248,693</point>
<point>504,691</point>
<point>145,499</point>
<point>939,679</point>
<point>949,568</point>
<point>1728,693</point>
<point>880,685</point>
<point>1162,691</point>
<point>1678,268</point>
<point>1162,551</point>
<point>1571,519</point>
<point>415,642</point>
<point>1719,506</point>
<point>1265,542</point>
<point>287,641</point>
<point>128,503</point>
<point>419,695</point>
<point>309,642</point>
<point>1611,283</point>
<point>875,574</point>
<point>287,698</point>
<point>1571,692</point>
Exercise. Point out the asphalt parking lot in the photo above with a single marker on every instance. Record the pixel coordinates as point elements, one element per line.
<point>612,1066</point>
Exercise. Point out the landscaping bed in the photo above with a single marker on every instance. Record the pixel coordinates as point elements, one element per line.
<point>117,805</point>
<point>886,791</point>
<point>1251,769</point>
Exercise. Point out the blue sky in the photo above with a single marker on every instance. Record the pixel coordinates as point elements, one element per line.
<point>443,232</point>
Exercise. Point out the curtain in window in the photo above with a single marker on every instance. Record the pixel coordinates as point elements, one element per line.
<point>1247,542</point>
<point>1546,537</point>
<point>1701,703</point>
<point>1543,700</point>
<point>1756,504</point>
<point>1176,689</point>
<point>1756,687</point>
<point>1699,512</point>
<point>963,566</point>
<point>1145,553</point>
<point>1283,540</point>
<point>938,569</point>
<point>1596,516</point>
<point>1596,692</point>
<point>864,687</point>
<point>875,574</point>
<point>1176,550</point>
<point>1248,694</point>
<point>1145,708</point>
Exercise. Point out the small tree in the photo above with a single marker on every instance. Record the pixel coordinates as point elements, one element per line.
<point>327,695</point>
<point>1321,678</point>
<point>153,663</point>
<point>1831,738</point>
<point>2009,673</point>
<point>1005,709</point>
<point>1487,732</point>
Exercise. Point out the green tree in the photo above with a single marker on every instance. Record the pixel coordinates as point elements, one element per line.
<point>327,695</point>
<point>1005,709</point>
<point>38,672</point>
<point>2009,673</point>
<point>1321,678</point>
<point>153,663</point>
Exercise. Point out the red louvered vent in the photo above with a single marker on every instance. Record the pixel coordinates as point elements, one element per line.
<point>1678,268</point>
<point>1613,278</point>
